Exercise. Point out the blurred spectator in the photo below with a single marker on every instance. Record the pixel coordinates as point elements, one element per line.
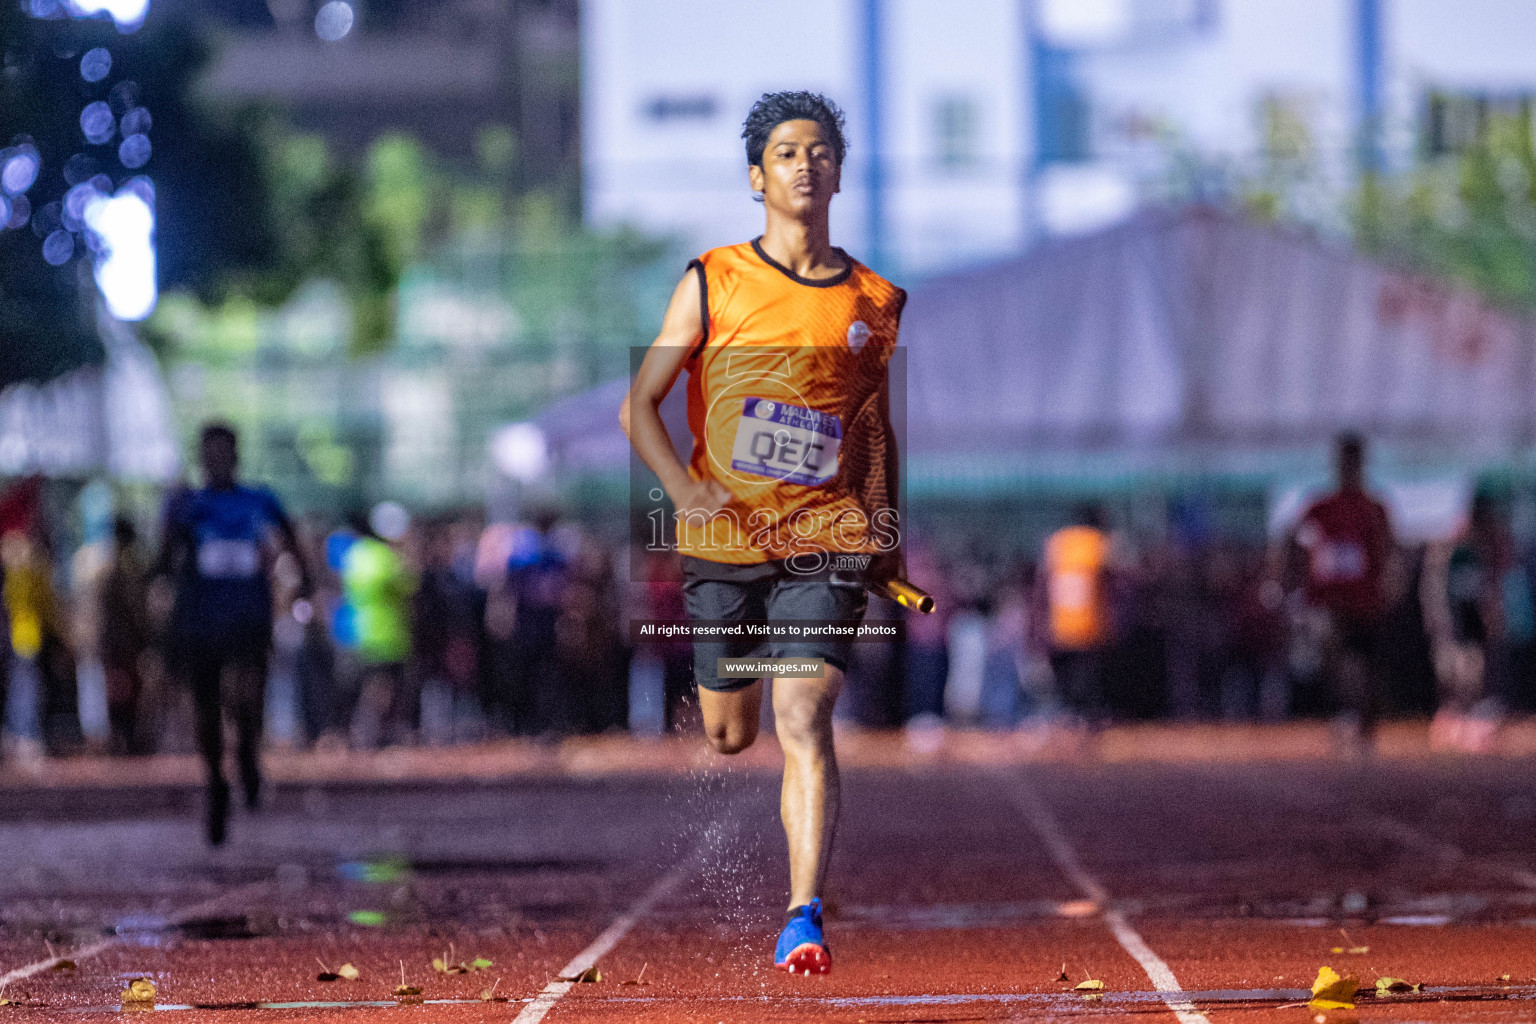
<point>927,645</point>
<point>1202,594</point>
<point>314,669</point>
<point>1004,673</point>
<point>125,637</point>
<point>1346,542</point>
<point>378,588</point>
<point>590,650</point>
<point>660,671</point>
<point>526,611</point>
<point>1254,683</point>
<point>1470,591</point>
<point>1075,573</point>
<point>446,615</point>
<point>36,635</point>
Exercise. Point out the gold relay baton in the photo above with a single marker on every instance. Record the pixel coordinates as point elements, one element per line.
<point>905,594</point>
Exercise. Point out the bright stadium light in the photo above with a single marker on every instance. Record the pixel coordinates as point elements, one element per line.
<point>127,14</point>
<point>124,226</point>
<point>18,169</point>
<point>521,451</point>
<point>334,20</point>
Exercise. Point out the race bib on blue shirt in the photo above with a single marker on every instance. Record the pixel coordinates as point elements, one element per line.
<point>786,442</point>
<point>223,559</point>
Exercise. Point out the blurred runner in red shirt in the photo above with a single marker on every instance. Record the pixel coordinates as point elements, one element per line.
<point>1346,539</point>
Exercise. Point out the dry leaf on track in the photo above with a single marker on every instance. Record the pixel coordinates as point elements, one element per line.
<point>139,995</point>
<point>1386,986</point>
<point>589,976</point>
<point>1332,992</point>
<point>1091,985</point>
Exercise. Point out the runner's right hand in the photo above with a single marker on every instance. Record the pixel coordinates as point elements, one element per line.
<point>706,496</point>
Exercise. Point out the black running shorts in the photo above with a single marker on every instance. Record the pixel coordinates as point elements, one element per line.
<point>767,592</point>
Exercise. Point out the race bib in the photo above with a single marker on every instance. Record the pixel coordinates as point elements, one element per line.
<point>1338,561</point>
<point>219,559</point>
<point>1070,590</point>
<point>786,442</point>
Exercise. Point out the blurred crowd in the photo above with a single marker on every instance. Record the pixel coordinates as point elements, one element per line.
<point>1335,616</point>
<point>386,630</point>
<point>389,629</point>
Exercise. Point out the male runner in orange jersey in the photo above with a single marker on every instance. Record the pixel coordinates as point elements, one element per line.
<point>786,340</point>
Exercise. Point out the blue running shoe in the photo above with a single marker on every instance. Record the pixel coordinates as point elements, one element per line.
<point>801,948</point>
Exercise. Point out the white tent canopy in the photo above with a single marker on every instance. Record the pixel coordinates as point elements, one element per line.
<point>1185,337</point>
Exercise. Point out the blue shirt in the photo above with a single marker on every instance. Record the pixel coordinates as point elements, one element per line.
<point>223,583</point>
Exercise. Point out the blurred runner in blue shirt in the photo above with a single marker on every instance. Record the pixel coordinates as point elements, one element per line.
<point>219,546</point>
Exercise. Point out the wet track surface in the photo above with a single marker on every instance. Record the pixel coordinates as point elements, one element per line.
<point>964,884</point>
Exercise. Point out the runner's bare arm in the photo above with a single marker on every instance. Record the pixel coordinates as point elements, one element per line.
<point>290,540</point>
<point>640,412</point>
<point>175,542</point>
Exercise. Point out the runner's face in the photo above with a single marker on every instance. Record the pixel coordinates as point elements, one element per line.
<point>219,461</point>
<point>799,173</point>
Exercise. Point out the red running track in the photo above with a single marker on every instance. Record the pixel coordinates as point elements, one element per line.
<point>964,883</point>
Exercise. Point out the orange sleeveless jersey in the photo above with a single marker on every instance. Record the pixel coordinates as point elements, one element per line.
<point>785,366</point>
<point>1075,560</point>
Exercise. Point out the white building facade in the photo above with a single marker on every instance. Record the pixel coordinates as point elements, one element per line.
<point>978,126</point>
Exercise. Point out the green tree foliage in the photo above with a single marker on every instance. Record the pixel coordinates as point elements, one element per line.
<point>1468,216</point>
<point>326,220</point>
<point>241,209</point>
<point>45,326</point>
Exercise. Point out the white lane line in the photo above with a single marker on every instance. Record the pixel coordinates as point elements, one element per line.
<point>1448,853</point>
<point>611,936</point>
<point>185,914</point>
<point>1045,826</point>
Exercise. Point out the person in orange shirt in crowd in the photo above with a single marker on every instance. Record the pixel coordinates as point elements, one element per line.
<point>1075,578</point>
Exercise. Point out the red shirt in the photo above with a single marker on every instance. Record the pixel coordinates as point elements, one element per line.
<point>1347,537</point>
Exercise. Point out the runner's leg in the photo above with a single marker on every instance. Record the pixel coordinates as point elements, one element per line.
<point>249,706</point>
<point>203,672</point>
<point>730,719</point>
<point>808,803</point>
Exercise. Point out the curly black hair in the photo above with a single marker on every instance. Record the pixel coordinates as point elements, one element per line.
<point>774,108</point>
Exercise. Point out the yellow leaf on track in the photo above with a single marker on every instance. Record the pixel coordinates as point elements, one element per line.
<point>1091,985</point>
<point>139,990</point>
<point>349,972</point>
<point>1332,992</point>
